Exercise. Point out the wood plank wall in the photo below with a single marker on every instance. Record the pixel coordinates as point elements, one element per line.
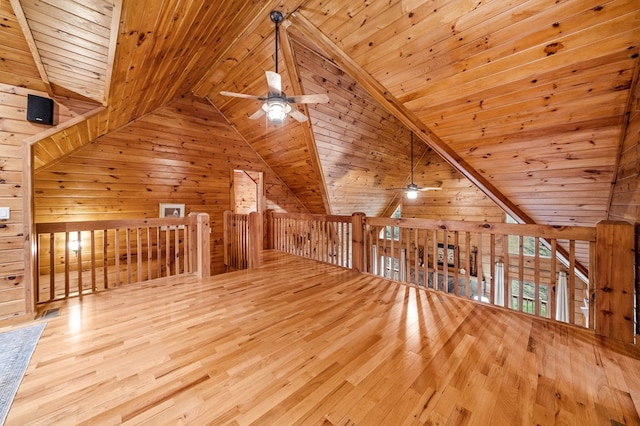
<point>182,153</point>
<point>625,203</point>
<point>14,128</point>
<point>458,200</point>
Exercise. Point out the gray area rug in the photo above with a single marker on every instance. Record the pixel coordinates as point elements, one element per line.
<point>16,348</point>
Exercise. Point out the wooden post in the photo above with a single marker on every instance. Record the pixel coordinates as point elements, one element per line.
<point>226,241</point>
<point>204,247</point>
<point>269,241</point>
<point>193,239</point>
<point>255,239</point>
<point>615,280</point>
<point>357,240</point>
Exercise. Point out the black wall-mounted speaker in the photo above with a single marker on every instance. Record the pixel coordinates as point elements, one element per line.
<point>39,109</point>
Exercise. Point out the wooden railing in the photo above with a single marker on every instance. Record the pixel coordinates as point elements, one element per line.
<point>534,269</point>
<point>236,240</point>
<point>76,258</point>
<point>463,258</point>
<point>319,237</point>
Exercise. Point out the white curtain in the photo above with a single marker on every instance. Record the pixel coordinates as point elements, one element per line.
<point>562,298</point>
<point>498,291</point>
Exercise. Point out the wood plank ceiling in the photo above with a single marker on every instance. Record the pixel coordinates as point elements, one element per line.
<point>526,99</point>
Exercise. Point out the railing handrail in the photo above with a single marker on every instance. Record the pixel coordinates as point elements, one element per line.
<point>97,225</point>
<point>582,233</point>
<point>173,245</point>
<point>312,216</point>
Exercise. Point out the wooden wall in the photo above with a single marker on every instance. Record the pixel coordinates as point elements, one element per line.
<point>14,128</point>
<point>625,203</point>
<point>459,199</point>
<point>245,191</point>
<point>182,153</point>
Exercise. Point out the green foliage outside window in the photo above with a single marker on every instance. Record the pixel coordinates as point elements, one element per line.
<point>528,244</point>
<point>528,296</point>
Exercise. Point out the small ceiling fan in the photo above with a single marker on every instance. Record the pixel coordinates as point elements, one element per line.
<point>412,189</point>
<point>277,104</point>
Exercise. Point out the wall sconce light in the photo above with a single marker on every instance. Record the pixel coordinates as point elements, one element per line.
<point>75,246</point>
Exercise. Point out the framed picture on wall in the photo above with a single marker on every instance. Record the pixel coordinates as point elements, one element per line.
<point>448,254</point>
<point>172,210</point>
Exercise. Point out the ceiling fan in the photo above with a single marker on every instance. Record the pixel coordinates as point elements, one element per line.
<point>412,189</point>
<point>277,104</point>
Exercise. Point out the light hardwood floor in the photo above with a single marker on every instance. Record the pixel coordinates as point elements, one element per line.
<point>299,342</point>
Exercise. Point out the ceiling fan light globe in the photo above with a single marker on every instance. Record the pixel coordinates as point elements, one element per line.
<point>277,110</point>
<point>412,194</point>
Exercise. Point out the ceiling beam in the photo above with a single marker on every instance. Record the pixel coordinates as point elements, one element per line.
<point>26,30</point>
<point>296,85</point>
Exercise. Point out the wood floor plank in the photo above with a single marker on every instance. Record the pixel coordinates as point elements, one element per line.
<point>301,342</point>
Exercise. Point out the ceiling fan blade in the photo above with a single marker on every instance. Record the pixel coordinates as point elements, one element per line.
<point>309,99</point>
<point>242,95</point>
<point>430,188</point>
<point>274,81</point>
<point>298,115</point>
<point>259,113</point>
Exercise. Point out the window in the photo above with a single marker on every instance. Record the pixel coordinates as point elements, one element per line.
<point>528,244</point>
<point>528,297</point>
<point>392,232</point>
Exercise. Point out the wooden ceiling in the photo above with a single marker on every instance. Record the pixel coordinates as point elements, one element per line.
<point>528,100</point>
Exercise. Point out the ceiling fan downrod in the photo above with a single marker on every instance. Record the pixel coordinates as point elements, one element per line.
<point>276,18</point>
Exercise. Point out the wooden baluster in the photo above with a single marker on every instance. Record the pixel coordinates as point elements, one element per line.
<point>176,250</point>
<point>479,269</point>
<point>592,286</point>
<point>508,299</point>
<point>52,266</point>
<point>467,265</point>
<point>105,258</point>
<point>139,252</point>
<point>492,271</point>
<point>167,251</point>
<point>186,255</point>
<point>572,281</point>
<point>553,279</point>
<point>79,262</point>
<point>436,272</point>
<point>128,245</point>
<point>536,275</point>
<point>425,259</point>
<point>149,254</point>
<point>416,254</point>
<point>93,261</point>
<point>116,247</point>
<point>520,273</point>
<point>66,264</point>
<point>445,266</point>
<point>159,250</point>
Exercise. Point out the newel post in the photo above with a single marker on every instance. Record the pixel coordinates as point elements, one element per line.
<point>203,259</point>
<point>269,243</point>
<point>255,240</point>
<point>357,241</point>
<point>615,280</point>
<point>226,243</point>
